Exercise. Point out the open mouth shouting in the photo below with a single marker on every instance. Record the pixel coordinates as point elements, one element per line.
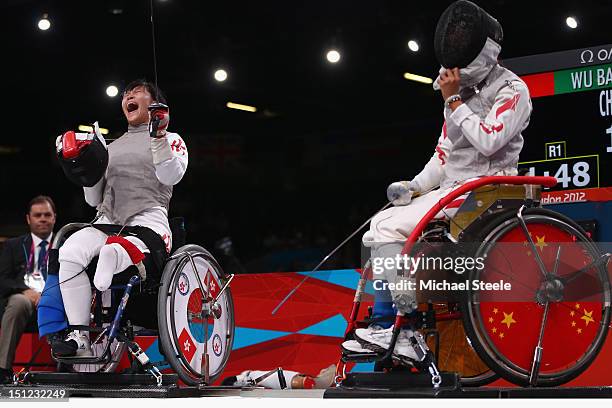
<point>132,111</point>
<point>134,104</point>
<point>135,112</point>
<point>131,107</point>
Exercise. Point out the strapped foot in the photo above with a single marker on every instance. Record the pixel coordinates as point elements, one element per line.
<point>75,344</point>
<point>379,340</point>
<point>353,346</point>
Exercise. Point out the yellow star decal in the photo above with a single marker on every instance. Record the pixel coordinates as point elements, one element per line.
<point>572,313</point>
<point>495,310</point>
<point>573,324</point>
<point>588,317</point>
<point>501,335</point>
<point>577,306</point>
<point>578,331</point>
<point>508,319</point>
<point>494,330</point>
<point>541,243</point>
<point>490,320</point>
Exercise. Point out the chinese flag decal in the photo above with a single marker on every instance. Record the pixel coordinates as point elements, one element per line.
<point>581,318</point>
<point>186,345</point>
<point>513,327</point>
<point>500,323</point>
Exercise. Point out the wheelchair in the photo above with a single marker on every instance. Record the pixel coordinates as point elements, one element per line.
<point>546,331</point>
<point>186,293</point>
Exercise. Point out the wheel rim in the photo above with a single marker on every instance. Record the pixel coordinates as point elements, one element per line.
<point>508,330</point>
<point>182,314</point>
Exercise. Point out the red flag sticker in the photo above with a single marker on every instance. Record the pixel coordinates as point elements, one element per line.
<point>213,284</point>
<point>186,345</point>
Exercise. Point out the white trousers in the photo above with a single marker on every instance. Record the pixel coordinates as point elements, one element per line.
<point>74,256</point>
<point>388,232</point>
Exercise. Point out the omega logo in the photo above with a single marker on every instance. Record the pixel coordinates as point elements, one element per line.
<point>588,56</point>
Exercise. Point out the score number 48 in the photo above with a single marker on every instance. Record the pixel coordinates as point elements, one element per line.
<point>569,175</point>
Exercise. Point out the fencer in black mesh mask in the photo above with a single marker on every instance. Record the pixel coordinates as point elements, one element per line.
<point>486,108</point>
<point>469,38</point>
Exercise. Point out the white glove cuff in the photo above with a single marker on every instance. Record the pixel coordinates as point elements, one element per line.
<point>414,186</point>
<point>161,149</point>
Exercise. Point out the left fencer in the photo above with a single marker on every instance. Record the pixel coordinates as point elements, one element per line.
<point>134,190</point>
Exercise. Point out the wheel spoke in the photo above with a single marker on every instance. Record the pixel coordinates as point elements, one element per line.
<point>537,354</point>
<point>512,278</point>
<point>538,258</point>
<point>557,259</point>
<point>205,316</point>
<point>601,260</point>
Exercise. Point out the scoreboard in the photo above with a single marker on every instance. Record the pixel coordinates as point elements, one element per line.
<point>570,133</point>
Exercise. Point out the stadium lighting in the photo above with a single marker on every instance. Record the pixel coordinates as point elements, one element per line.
<point>571,22</point>
<point>89,129</point>
<point>241,107</point>
<point>333,56</point>
<point>44,24</point>
<point>112,91</point>
<point>418,78</point>
<point>220,75</point>
<point>413,45</point>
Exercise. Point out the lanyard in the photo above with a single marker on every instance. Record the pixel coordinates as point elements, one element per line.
<point>30,263</point>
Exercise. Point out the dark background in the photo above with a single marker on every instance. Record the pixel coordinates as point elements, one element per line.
<point>289,182</point>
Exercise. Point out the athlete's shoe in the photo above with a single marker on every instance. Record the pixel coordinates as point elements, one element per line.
<point>75,344</point>
<point>353,346</point>
<point>379,340</point>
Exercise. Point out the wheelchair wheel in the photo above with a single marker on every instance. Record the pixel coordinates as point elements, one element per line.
<point>182,330</point>
<point>564,310</point>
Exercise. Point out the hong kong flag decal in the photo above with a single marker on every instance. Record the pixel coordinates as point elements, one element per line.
<point>213,285</point>
<point>186,345</point>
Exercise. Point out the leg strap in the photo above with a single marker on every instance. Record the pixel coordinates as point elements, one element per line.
<point>154,263</point>
<point>136,256</point>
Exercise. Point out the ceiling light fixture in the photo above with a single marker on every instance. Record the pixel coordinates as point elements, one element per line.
<point>220,75</point>
<point>112,91</point>
<point>333,56</point>
<point>241,107</point>
<point>89,129</point>
<point>44,24</point>
<point>418,78</point>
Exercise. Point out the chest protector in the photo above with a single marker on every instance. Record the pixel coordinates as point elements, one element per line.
<point>131,184</point>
